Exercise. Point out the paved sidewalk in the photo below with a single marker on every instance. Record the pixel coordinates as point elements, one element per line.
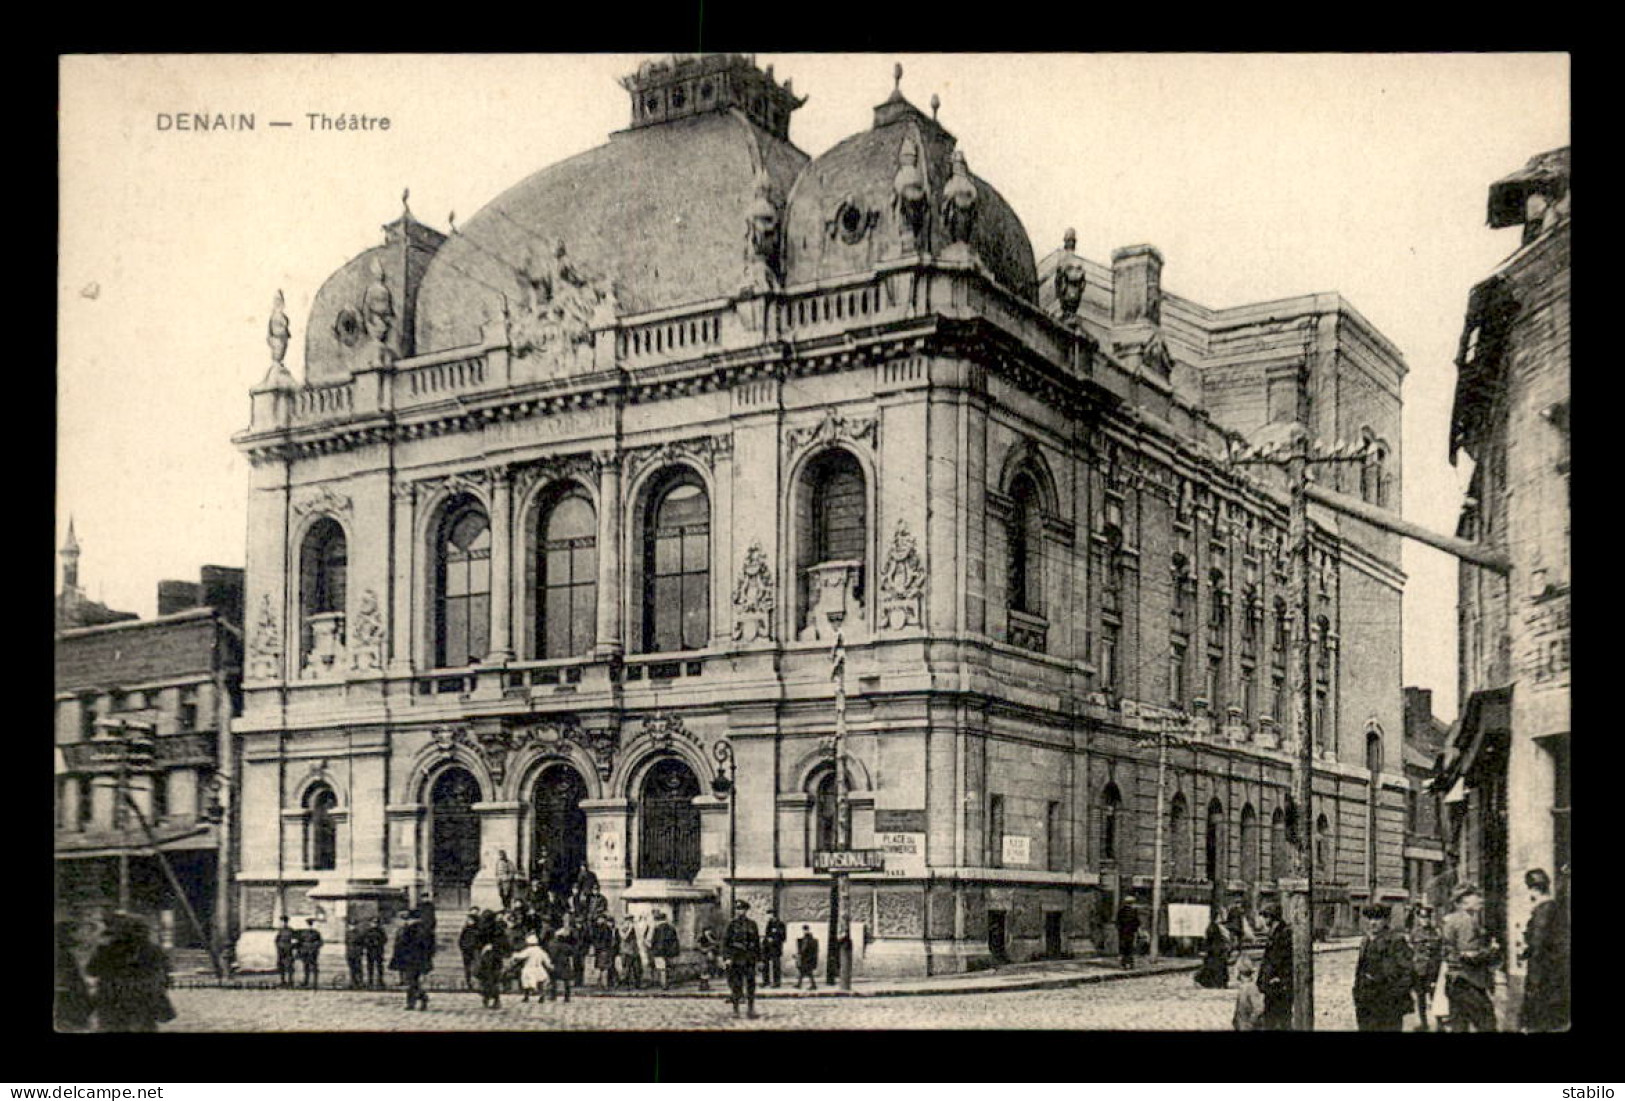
<point>1046,974</point>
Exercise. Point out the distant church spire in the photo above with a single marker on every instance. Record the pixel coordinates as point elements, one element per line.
<point>70,559</point>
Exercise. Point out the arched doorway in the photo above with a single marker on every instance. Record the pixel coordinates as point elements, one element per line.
<point>454,838</point>
<point>669,833</point>
<point>559,826</point>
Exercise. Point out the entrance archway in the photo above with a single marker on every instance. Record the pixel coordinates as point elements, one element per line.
<point>559,826</point>
<point>454,838</point>
<point>669,832</point>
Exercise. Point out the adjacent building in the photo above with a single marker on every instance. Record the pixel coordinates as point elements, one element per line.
<point>1507,774</point>
<point>1425,739</point>
<point>550,548</point>
<point>144,707</point>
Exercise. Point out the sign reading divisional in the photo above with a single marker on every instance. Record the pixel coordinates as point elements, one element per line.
<point>854,860</point>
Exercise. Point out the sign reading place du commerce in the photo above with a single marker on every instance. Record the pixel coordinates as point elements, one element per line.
<point>854,860</point>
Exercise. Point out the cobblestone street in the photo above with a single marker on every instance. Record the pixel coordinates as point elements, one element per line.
<point>1154,1002</point>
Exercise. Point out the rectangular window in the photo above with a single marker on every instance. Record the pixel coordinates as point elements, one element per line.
<point>995,831</point>
<point>186,712</point>
<point>1215,683</point>
<point>1278,699</point>
<point>1054,849</point>
<point>1176,676</point>
<point>160,796</point>
<point>1249,694</point>
<point>87,717</point>
<point>1108,656</point>
<point>87,806</point>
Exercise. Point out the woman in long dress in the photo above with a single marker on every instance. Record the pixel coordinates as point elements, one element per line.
<point>1215,970</point>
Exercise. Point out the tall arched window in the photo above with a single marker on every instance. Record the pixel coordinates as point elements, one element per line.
<point>323,567</point>
<point>1249,845</point>
<point>321,829</point>
<point>1179,837</point>
<point>669,838</point>
<point>677,567</point>
<point>567,578</point>
<point>463,587</point>
<point>1024,547</point>
<point>1111,807</point>
<point>1213,850</point>
<point>831,525</point>
<point>1280,851</point>
<point>1323,849</point>
<point>1373,751</point>
<point>826,834</point>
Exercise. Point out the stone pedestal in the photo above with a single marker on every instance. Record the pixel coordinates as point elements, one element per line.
<point>689,909</point>
<point>831,597</point>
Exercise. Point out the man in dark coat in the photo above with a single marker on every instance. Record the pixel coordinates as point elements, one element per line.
<point>1128,928</point>
<point>1275,973</point>
<point>285,938</point>
<point>308,947</point>
<point>742,948</point>
<point>132,976</point>
<point>73,1004</point>
<point>414,958</point>
<point>1383,976</point>
<point>807,958</point>
<point>663,948</point>
<point>468,945</point>
<point>373,942</point>
<point>773,937</point>
<point>1470,956</point>
<point>1545,1005</point>
<point>354,950</point>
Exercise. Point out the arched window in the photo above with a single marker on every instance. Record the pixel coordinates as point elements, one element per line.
<point>321,829</point>
<point>1111,807</point>
<point>669,838</point>
<point>1373,751</point>
<point>1249,845</point>
<point>462,587</point>
<point>567,577</point>
<point>1280,850</point>
<point>826,834</point>
<point>1323,849</point>
<point>677,567</point>
<point>1179,837</point>
<point>1214,847</point>
<point>831,524</point>
<point>322,580</point>
<point>1024,547</point>
<point>1283,629</point>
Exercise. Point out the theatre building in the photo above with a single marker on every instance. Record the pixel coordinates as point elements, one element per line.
<point>557,531</point>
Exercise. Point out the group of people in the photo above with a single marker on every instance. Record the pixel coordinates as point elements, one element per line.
<point>305,947</point>
<point>131,974</point>
<point>1398,970</point>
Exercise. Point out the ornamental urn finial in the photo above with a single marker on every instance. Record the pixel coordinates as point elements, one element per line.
<point>936,101</point>
<point>897,79</point>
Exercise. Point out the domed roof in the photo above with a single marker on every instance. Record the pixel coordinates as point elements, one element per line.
<point>842,219</point>
<point>657,218</point>
<point>336,339</point>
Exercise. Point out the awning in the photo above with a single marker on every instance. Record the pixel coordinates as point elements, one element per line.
<point>1487,719</point>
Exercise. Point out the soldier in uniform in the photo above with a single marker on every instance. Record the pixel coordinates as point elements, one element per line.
<point>773,938</point>
<point>1383,976</point>
<point>1427,959</point>
<point>308,947</point>
<point>354,950</point>
<point>1470,956</point>
<point>1128,928</point>
<point>414,958</point>
<point>285,937</point>
<point>807,958</point>
<point>373,942</point>
<point>742,944</point>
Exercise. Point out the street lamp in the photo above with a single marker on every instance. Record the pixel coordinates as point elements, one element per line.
<point>722,786</point>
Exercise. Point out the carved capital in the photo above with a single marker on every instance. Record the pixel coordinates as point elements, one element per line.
<point>832,427</point>
<point>322,498</point>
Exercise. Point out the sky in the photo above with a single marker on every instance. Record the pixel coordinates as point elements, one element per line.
<point>1256,177</point>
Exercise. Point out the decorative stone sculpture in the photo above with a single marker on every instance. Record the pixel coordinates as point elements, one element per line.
<point>908,196</point>
<point>367,639</point>
<point>902,582</point>
<point>378,305</point>
<point>559,304</point>
<point>1070,280</point>
<point>278,331</point>
<point>763,238</point>
<point>959,202</point>
<point>265,647</point>
<point>753,598</point>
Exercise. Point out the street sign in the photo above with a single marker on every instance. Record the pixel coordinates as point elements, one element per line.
<point>853,860</point>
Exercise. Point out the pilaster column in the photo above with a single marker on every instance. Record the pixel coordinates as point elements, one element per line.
<point>610,644</point>
<point>400,620</point>
<point>501,565</point>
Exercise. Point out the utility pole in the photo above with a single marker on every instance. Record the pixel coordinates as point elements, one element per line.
<point>1164,738</point>
<point>843,833</point>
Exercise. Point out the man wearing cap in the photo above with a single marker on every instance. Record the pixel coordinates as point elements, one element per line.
<point>807,958</point>
<point>1128,929</point>
<point>307,946</point>
<point>1470,956</point>
<point>413,958</point>
<point>742,945</point>
<point>1383,974</point>
<point>1275,972</point>
<point>773,937</point>
<point>1427,960</point>
<point>285,938</point>
<point>469,940</point>
<point>663,948</point>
